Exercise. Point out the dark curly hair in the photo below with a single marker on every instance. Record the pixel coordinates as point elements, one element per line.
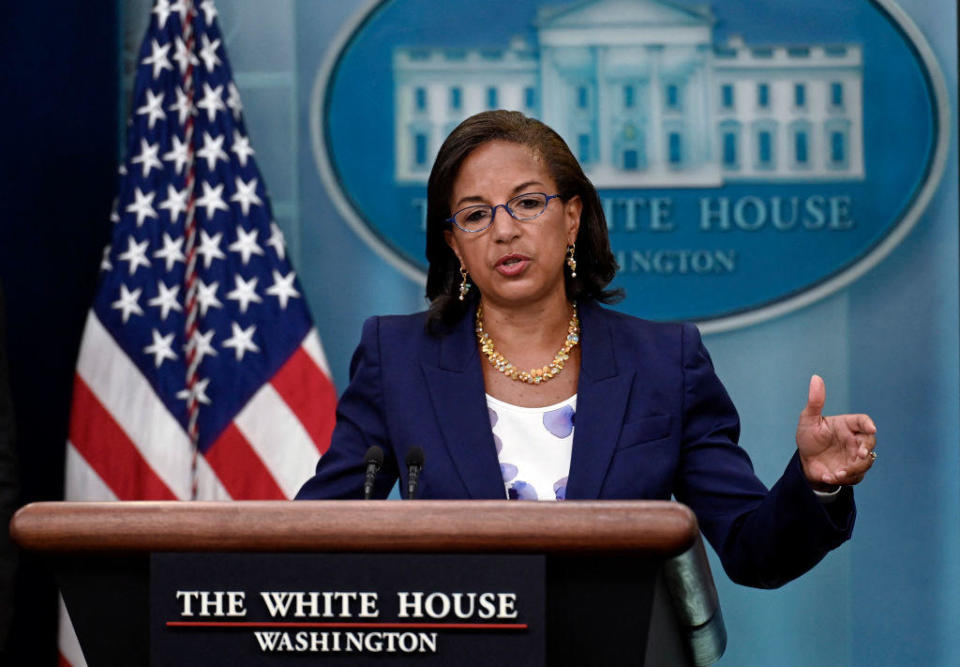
<point>596,265</point>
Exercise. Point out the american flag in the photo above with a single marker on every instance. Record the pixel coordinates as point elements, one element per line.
<point>200,374</point>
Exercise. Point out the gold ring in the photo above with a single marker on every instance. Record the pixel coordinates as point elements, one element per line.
<point>873,455</point>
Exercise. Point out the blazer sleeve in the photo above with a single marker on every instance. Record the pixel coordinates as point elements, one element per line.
<point>361,423</point>
<point>763,538</point>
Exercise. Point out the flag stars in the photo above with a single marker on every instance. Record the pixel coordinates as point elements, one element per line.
<point>210,248</point>
<point>245,292</point>
<point>162,113</point>
<point>212,199</point>
<point>158,58</point>
<point>136,254</point>
<point>163,11</point>
<point>246,195</point>
<point>246,245</point>
<point>197,394</point>
<point>181,8</point>
<point>183,106</point>
<point>127,303</point>
<point>201,345</point>
<point>160,348</point>
<point>148,157</point>
<point>183,56</point>
<point>276,240</point>
<point>241,148</point>
<point>175,203</point>
<point>283,288</point>
<point>142,206</point>
<point>153,109</point>
<point>212,150</point>
<point>233,100</point>
<point>105,264</point>
<point>209,11</point>
<point>166,299</point>
<point>177,154</point>
<point>212,101</point>
<point>207,296</point>
<point>208,52</point>
<point>172,251</point>
<point>242,340</point>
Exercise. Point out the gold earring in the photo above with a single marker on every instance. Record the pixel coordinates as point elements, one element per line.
<point>571,262</point>
<point>464,285</point>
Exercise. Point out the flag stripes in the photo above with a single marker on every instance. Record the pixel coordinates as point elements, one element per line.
<point>107,449</point>
<point>70,653</point>
<point>200,374</point>
<point>240,469</point>
<point>302,371</point>
<point>122,390</point>
<point>265,434</point>
<point>87,484</point>
<point>278,435</point>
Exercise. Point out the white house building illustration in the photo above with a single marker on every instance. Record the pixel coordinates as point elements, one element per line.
<point>645,98</point>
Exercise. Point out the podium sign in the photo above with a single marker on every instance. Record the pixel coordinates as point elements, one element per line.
<point>347,609</point>
<point>454,582</point>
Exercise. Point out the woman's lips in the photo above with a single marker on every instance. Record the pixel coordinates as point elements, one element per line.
<point>512,265</point>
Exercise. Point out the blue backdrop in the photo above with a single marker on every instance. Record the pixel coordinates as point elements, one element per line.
<point>887,344</point>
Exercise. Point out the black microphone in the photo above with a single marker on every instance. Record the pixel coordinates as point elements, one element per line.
<point>372,460</point>
<point>414,466</point>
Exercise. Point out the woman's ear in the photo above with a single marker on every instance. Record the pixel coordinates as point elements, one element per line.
<point>572,209</point>
<point>451,240</point>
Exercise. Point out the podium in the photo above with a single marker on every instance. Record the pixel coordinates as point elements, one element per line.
<point>623,582</point>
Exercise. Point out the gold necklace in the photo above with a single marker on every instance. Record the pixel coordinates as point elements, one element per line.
<point>536,375</point>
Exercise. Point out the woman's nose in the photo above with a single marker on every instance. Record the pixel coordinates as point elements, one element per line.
<point>504,226</point>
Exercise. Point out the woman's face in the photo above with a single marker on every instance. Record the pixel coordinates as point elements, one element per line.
<point>512,263</point>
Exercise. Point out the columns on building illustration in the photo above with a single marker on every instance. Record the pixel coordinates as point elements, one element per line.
<point>705,86</point>
<point>604,107</point>
<point>674,112</point>
<point>552,106</point>
<point>657,154</point>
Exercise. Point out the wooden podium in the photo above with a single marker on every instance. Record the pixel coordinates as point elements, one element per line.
<point>627,582</point>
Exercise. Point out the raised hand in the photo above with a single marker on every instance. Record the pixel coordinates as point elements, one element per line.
<point>833,450</point>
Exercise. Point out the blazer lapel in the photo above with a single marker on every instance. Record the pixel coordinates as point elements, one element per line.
<point>602,395</point>
<point>459,401</point>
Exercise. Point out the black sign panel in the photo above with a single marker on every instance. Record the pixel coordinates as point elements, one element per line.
<point>346,609</point>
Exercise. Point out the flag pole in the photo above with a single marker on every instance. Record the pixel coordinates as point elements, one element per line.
<point>190,274</point>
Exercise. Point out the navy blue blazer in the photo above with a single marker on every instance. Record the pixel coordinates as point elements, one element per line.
<point>652,421</point>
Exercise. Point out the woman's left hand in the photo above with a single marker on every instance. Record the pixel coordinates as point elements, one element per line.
<point>833,450</point>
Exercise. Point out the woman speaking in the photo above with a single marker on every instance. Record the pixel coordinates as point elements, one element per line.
<point>517,383</point>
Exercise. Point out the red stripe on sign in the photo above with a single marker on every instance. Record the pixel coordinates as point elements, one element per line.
<point>345,625</point>
<point>110,451</point>
<point>61,661</point>
<point>242,473</point>
<point>310,394</point>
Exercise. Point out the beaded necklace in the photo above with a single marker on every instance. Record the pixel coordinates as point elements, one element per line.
<point>536,375</point>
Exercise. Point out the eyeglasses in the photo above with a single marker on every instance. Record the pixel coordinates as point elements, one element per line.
<point>524,208</point>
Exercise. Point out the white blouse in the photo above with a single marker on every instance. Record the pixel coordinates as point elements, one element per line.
<point>534,446</point>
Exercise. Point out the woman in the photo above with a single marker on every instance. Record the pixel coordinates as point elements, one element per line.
<point>517,383</point>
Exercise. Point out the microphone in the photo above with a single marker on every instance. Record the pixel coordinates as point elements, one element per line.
<point>414,467</point>
<point>372,460</point>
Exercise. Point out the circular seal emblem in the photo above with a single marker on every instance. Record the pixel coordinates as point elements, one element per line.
<point>751,159</point>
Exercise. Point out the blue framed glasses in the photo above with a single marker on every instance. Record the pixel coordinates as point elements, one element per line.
<point>525,207</point>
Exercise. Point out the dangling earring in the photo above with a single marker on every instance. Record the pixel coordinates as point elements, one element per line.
<point>571,262</point>
<point>464,285</point>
